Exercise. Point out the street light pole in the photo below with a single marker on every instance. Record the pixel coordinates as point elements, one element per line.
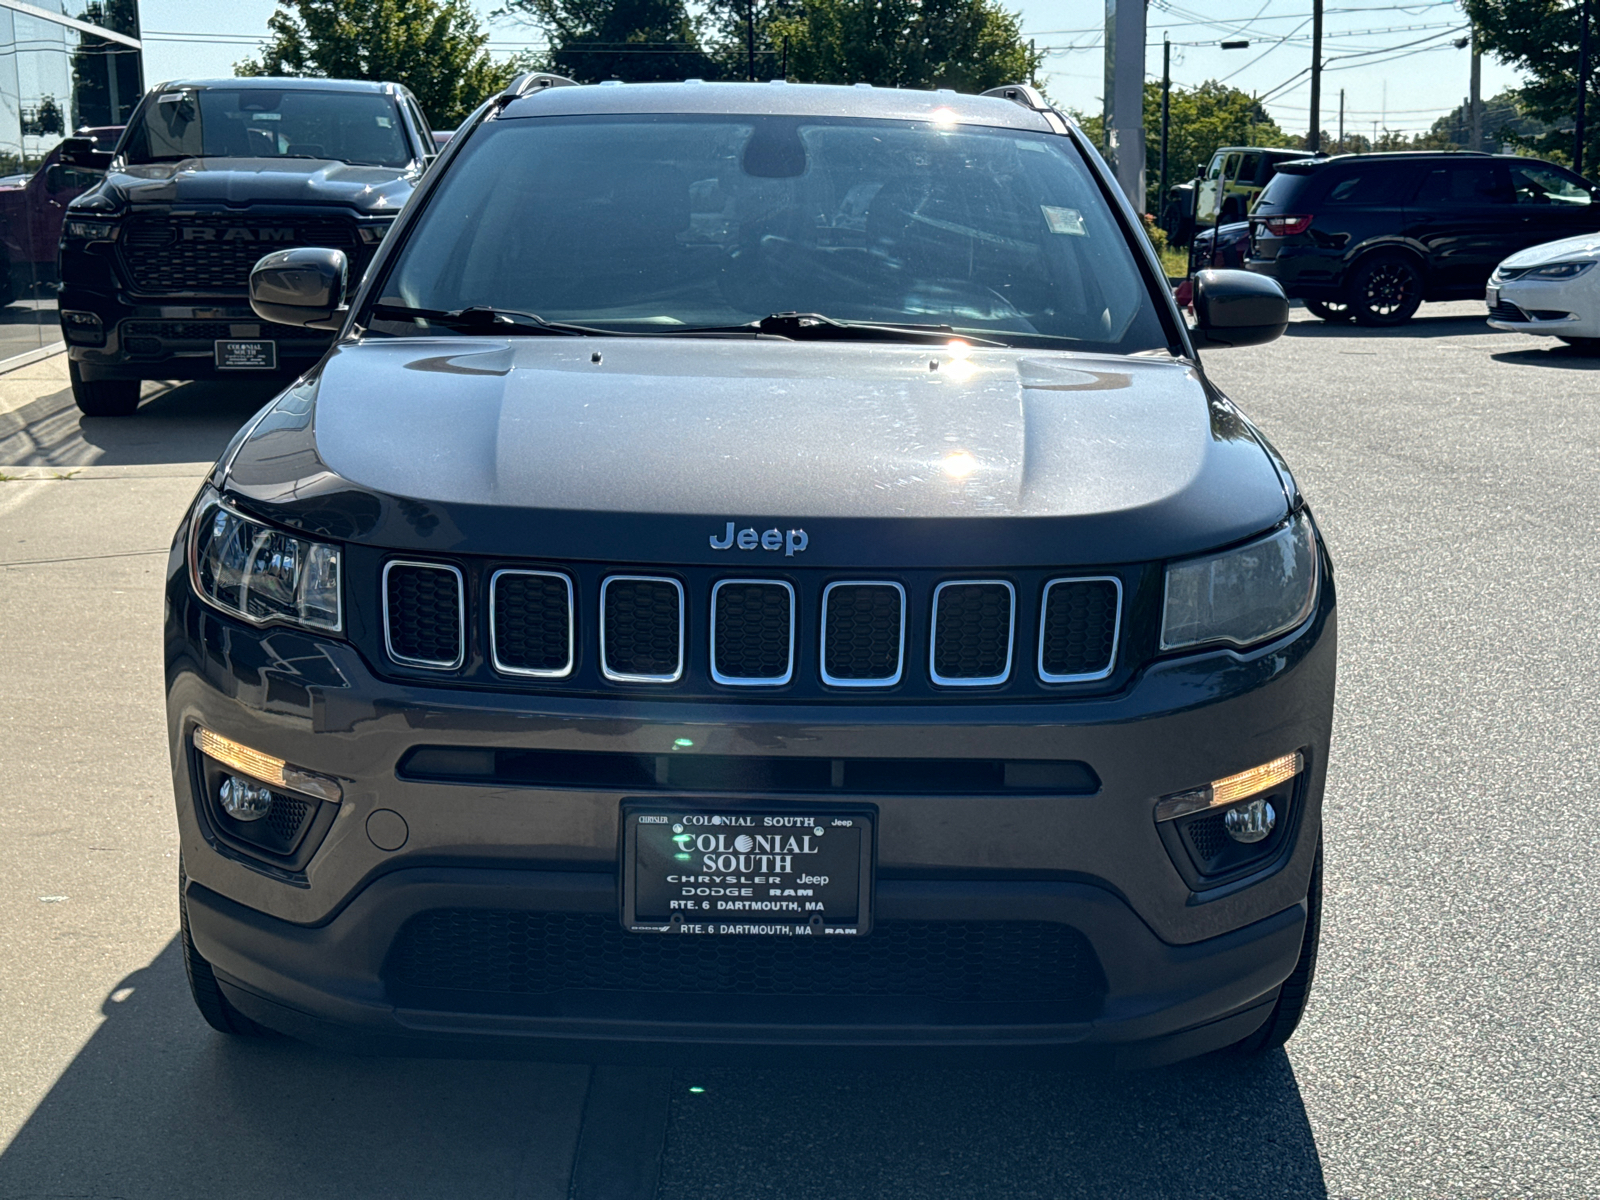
<point>1583,85</point>
<point>1166,114</point>
<point>1341,120</point>
<point>1314,141</point>
<point>1476,101</point>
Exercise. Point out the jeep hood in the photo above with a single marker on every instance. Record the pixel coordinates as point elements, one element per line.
<point>254,181</point>
<point>642,449</point>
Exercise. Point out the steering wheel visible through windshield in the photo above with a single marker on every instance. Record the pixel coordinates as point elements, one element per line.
<point>662,224</point>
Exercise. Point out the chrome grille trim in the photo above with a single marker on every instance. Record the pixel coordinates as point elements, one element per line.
<point>494,634</point>
<point>933,634</point>
<point>748,680</point>
<point>461,616</point>
<point>1116,628</point>
<point>623,677</point>
<point>900,657</point>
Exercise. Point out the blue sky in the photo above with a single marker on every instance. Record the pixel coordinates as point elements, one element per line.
<point>1393,59</point>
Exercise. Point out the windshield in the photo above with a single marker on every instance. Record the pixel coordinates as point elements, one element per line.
<point>670,223</point>
<point>353,127</point>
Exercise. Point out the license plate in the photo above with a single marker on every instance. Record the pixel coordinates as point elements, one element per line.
<point>247,355</point>
<point>1491,297</point>
<point>795,872</point>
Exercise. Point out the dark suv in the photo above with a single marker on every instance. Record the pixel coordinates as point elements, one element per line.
<point>1371,236</point>
<point>762,565</point>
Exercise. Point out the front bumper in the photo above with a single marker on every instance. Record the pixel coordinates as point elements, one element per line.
<point>1548,308</point>
<point>309,948</point>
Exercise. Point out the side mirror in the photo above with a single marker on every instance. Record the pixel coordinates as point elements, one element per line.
<point>1237,308</point>
<point>55,178</point>
<point>301,287</point>
<point>81,152</point>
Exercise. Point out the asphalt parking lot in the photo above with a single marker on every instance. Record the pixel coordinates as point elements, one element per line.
<point>1453,1044</point>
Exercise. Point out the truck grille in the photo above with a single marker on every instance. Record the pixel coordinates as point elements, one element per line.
<point>641,629</point>
<point>972,632</point>
<point>423,615</point>
<point>530,623</point>
<point>752,632</point>
<point>863,634</point>
<point>214,252</point>
<point>1078,631</point>
<point>463,950</point>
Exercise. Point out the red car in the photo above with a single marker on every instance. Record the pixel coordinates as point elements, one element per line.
<point>32,208</point>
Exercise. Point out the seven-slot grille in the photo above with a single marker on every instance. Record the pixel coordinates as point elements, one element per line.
<point>972,632</point>
<point>752,632</point>
<point>863,634</point>
<point>530,623</point>
<point>1078,629</point>
<point>424,615</point>
<point>533,627</point>
<point>211,252</point>
<point>641,629</point>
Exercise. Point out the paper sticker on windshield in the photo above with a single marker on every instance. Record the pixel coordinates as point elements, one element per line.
<point>1063,220</point>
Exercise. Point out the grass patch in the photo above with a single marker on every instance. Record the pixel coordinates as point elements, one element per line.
<point>1174,262</point>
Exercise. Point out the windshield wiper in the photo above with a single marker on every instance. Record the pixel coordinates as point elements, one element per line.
<point>815,327</point>
<point>480,318</point>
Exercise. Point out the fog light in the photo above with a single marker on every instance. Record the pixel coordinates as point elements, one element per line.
<point>83,327</point>
<point>246,801</point>
<point>1250,822</point>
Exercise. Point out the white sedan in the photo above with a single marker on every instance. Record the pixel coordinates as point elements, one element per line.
<point>1552,290</point>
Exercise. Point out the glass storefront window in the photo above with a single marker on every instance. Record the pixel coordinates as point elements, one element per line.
<point>55,80</point>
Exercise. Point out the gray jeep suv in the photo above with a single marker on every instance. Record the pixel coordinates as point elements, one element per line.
<point>762,568</point>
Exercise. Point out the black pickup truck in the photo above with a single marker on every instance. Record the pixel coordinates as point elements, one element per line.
<point>209,176</point>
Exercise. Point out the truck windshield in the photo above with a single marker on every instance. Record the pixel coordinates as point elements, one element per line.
<point>352,127</point>
<point>672,224</point>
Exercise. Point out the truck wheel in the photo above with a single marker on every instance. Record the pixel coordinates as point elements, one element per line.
<point>1329,310</point>
<point>1296,990</point>
<point>1385,290</point>
<point>208,997</point>
<point>103,397</point>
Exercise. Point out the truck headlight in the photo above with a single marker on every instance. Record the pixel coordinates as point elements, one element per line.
<point>83,230</point>
<point>261,574</point>
<point>1245,595</point>
<point>1566,270</point>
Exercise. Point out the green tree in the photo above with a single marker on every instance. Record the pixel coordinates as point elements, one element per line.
<point>434,47</point>
<point>968,45</point>
<point>1202,119</point>
<point>1541,37</point>
<point>639,41</point>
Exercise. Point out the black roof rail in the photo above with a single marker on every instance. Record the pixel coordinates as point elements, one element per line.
<point>1024,94</point>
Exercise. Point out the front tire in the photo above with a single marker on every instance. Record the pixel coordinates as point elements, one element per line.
<point>1329,310</point>
<point>1385,290</point>
<point>208,997</point>
<point>103,397</point>
<point>1296,990</point>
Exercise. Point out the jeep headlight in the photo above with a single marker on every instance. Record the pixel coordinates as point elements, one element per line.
<point>261,574</point>
<point>82,229</point>
<point>1245,595</point>
<point>1565,270</point>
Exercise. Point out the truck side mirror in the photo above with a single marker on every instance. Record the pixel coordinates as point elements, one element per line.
<point>55,178</point>
<point>81,152</point>
<point>1237,308</point>
<point>301,287</point>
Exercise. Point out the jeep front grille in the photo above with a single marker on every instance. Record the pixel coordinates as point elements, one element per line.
<point>424,615</point>
<point>1078,629</point>
<point>530,623</point>
<point>863,634</point>
<point>641,629</point>
<point>213,252</point>
<point>752,632</point>
<point>972,632</point>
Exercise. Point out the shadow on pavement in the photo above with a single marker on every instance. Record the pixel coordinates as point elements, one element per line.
<point>1567,358</point>
<point>1212,1128</point>
<point>157,1105</point>
<point>177,423</point>
<point>1417,327</point>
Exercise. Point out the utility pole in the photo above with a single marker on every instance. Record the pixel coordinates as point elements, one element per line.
<point>750,38</point>
<point>1475,102</point>
<point>1124,96</point>
<point>1341,120</point>
<point>1314,141</point>
<point>1166,115</point>
<point>1583,85</point>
